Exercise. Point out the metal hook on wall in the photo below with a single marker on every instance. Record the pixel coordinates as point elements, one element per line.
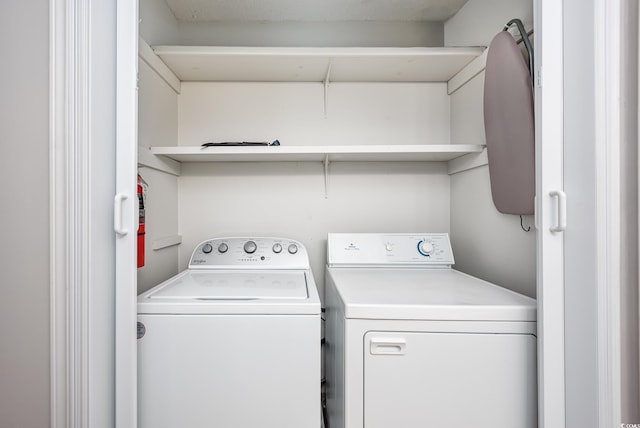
<point>522,225</point>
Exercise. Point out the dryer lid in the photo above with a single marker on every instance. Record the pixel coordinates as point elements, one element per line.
<point>426,294</point>
<point>233,285</point>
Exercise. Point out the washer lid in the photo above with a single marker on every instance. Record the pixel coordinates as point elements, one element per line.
<point>233,285</point>
<point>426,294</point>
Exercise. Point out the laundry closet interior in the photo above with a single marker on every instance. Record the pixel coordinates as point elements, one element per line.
<point>378,109</point>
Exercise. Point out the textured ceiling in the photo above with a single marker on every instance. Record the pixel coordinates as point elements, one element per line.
<point>313,10</point>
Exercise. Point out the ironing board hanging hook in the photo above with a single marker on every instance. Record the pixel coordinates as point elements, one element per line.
<point>525,40</point>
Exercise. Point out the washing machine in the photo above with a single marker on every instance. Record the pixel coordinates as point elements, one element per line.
<point>232,341</point>
<point>411,342</point>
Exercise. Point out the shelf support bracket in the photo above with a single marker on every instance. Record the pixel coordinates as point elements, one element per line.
<point>326,89</point>
<point>326,175</point>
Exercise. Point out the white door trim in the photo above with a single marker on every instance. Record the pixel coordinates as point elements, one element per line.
<point>608,28</point>
<point>69,204</point>
<point>81,394</point>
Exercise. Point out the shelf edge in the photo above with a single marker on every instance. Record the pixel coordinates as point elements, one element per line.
<point>467,162</point>
<point>404,153</point>
<point>146,54</point>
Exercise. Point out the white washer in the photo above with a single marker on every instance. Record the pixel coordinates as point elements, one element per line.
<point>233,341</point>
<point>412,343</point>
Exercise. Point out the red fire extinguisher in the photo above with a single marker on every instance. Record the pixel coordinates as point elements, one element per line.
<point>142,194</point>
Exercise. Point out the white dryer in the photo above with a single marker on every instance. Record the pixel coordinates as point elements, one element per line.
<point>233,341</point>
<point>413,343</point>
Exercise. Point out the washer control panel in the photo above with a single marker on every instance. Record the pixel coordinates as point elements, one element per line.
<point>389,249</point>
<point>250,252</point>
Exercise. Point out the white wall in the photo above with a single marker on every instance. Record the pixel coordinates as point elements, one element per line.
<point>293,113</point>
<point>157,23</point>
<point>158,126</point>
<point>486,243</point>
<point>349,33</point>
<point>288,199</point>
<point>24,177</point>
<point>159,26</point>
<point>479,20</point>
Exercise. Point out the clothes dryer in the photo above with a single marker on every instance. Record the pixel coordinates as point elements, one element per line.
<point>233,341</point>
<point>413,343</point>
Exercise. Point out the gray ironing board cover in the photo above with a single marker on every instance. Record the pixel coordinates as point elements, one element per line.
<point>509,127</point>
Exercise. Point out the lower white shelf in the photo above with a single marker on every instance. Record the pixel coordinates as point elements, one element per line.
<point>359,153</point>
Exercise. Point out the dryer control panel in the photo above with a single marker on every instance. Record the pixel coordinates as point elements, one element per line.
<point>250,253</point>
<point>389,249</point>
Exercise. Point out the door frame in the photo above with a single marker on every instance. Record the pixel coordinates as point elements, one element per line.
<point>69,201</point>
<point>608,146</point>
<point>71,225</point>
<point>93,156</point>
<point>604,242</point>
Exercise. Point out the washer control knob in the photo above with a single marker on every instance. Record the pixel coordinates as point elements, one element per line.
<point>293,248</point>
<point>277,248</point>
<point>425,248</point>
<point>388,246</point>
<point>223,248</point>
<point>250,247</point>
<point>207,248</point>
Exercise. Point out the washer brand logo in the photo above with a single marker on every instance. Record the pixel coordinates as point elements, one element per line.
<point>352,247</point>
<point>141,330</point>
<point>199,261</point>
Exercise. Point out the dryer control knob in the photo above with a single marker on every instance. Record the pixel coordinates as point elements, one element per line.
<point>293,248</point>
<point>207,248</point>
<point>250,247</point>
<point>277,248</point>
<point>222,248</point>
<point>425,248</point>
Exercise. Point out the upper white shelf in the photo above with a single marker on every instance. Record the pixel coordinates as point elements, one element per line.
<point>291,64</point>
<point>387,153</point>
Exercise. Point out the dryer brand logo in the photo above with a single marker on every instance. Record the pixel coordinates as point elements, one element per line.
<point>352,247</point>
<point>198,261</point>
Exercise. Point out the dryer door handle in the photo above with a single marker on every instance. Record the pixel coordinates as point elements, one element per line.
<point>388,346</point>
